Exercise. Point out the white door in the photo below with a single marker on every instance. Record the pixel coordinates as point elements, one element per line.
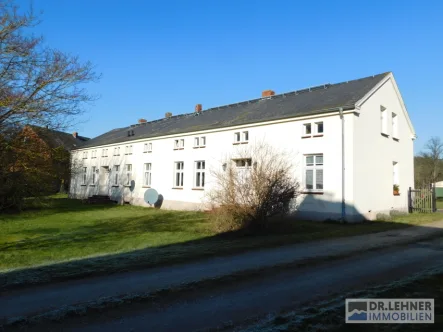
<point>104,181</point>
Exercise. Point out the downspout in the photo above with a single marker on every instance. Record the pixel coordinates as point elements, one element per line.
<point>343,205</point>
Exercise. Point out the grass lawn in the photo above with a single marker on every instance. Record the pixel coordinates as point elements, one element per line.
<point>439,204</point>
<point>76,239</point>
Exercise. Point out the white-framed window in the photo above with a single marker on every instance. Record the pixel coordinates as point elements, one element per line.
<point>307,129</point>
<point>147,167</point>
<point>128,171</point>
<point>116,174</point>
<point>199,142</point>
<point>104,152</point>
<point>128,149</point>
<point>237,137</point>
<point>319,128</point>
<point>384,120</point>
<point>243,162</point>
<point>147,147</point>
<point>313,172</point>
<point>94,176</point>
<point>117,151</point>
<point>199,174</point>
<point>85,155</point>
<point>395,178</point>
<point>178,174</point>
<point>394,125</point>
<point>179,144</point>
<point>245,136</point>
<point>85,175</point>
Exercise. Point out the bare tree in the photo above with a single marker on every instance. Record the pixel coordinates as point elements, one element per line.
<point>38,85</point>
<point>254,184</point>
<point>429,169</point>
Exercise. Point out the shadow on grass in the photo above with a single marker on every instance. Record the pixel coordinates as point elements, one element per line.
<point>282,232</point>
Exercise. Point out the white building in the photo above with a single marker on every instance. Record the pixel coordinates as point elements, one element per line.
<point>351,142</point>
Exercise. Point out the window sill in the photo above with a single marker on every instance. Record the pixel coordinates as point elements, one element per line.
<point>306,136</point>
<point>202,146</point>
<point>84,185</point>
<point>244,142</point>
<point>385,135</point>
<point>198,188</point>
<point>178,188</point>
<point>115,186</point>
<point>92,185</point>
<point>312,192</point>
<point>146,186</point>
<point>396,139</point>
<point>236,143</point>
<point>179,149</point>
<point>318,135</point>
<point>195,147</point>
<point>397,194</point>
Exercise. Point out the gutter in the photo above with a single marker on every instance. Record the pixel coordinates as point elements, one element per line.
<point>343,204</point>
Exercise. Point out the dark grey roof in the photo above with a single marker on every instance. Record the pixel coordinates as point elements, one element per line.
<point>316,100</point>
<point>57,138</point>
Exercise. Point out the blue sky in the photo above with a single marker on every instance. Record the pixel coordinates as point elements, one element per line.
<point>167,56</point>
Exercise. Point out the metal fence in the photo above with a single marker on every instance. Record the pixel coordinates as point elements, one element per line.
<point>422,200</point>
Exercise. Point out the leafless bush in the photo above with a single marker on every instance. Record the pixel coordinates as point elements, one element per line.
<point>254,184</point>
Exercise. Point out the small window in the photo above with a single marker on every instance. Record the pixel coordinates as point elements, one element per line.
<point>245,136</point>
<point>319,127</point>
<point>179,144</point>
<point>314,172</point>
<point>128,169</point>
<point>117,151</point>
<point>116,174</point>
<point>307,129</point>
<point>394,125</point>
<point>93,174</point>
<point>85,175</point>
<point>128,149</point>
<point>243,163</point>
<point>199,142</point>
<point>202,141</point>
<point>85,155</point>
<point>147,147</point>
<point>147,175</point>
<point>196,141</point>
<point>178,174</point>
<point>199,175</point>
<point>395,173</point>
<point>237,137</point>
<point>104,152</point>
<point>384,120</point>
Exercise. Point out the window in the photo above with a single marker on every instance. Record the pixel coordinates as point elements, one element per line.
<point>117,151</point>
<point>147,147</point>
<point>179,144</point>
<point>394,125</point>
<point>116,172</point>
<point>199,176</point>
<point>319,128</point>
<point>314,172</point>
<point>384,120</point>
<point>307,129</point>
<point>245,136</point>
<point>236,137</point>
<point>128,149</point>
<point>85,170</point>
<point>93,154</point>
<point>395,172</point>
<point>243,163</point>
<point>93,174</point>
<point>147,176</point>
<point>178,174</point>
<point>104,152</point>
<point>199,142</point>
<point>128,169</point>
<point>85,155</point>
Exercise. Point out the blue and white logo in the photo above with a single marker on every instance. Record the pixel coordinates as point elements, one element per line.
<point>357,311</point>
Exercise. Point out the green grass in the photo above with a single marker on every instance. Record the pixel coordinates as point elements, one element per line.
<point>61,238</point>
<point>439,204</point>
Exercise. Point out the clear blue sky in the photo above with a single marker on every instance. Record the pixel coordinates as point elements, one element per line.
<point>167,56</point>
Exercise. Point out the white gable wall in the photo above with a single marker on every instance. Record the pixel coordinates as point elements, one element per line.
<point>374,155</point>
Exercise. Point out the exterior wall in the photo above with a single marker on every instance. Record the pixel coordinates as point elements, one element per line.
<point>287,136</point>
<point>375,153</point>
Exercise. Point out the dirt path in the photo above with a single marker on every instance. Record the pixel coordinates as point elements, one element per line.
<point>287,290</point>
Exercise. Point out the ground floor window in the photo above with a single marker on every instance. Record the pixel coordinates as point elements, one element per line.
<point>85,175</point>
<point>116,172</point>
<point>147,177</point>
<point>313,176</point>
<point>199,175</point>
<point>178,173</point>
<point>128,174</point>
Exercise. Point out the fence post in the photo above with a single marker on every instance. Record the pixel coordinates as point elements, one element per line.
<point>410,200</point>
<point>434,199</point>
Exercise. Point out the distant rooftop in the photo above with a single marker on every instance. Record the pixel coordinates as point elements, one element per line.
<point>310,101</point>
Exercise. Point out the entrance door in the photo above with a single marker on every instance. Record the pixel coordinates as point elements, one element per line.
<point>104,181</point>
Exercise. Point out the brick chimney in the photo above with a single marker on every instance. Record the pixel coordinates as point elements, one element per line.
<point>198,108</point>
<point>142,121</point>
<point>267,93</point>
<point>168,114</point>
<point>75,134</point>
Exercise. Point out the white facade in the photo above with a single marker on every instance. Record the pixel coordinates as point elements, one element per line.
<point>370,151</point>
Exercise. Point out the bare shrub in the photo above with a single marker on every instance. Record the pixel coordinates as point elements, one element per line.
<point>254,184</point>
